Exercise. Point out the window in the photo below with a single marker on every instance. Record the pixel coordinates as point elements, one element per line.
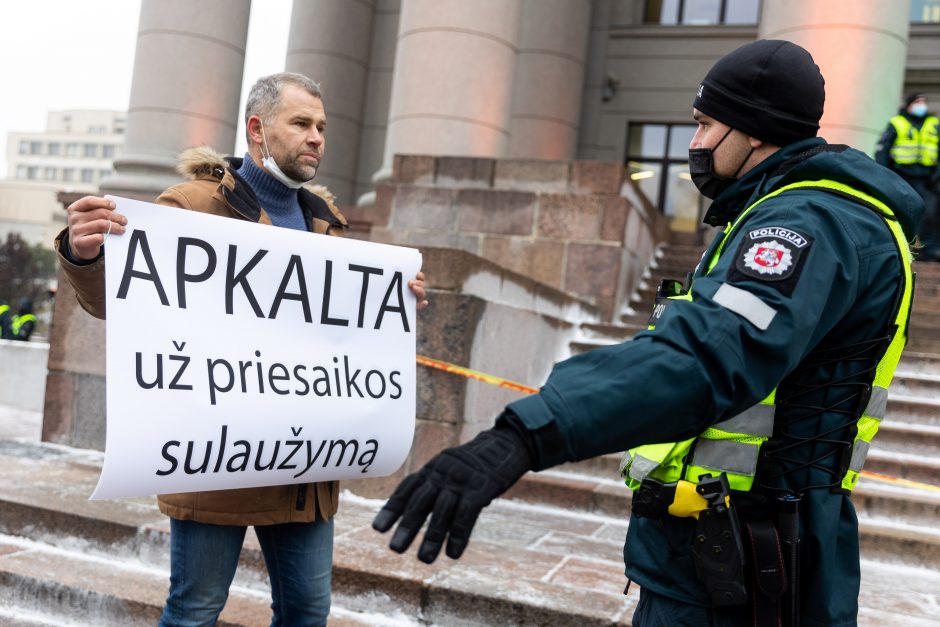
<point>32,172</point>
<point>657,163</point>
<point>107,151</point>
<point>71,149</point>
<point>68,174</point>
<point>103,174</point>
<point>88,175</point>
<point>49,174</point>
<point>91,150</point>
<point>55,148</point>
<point>704,12</point>
<point>925,11</point>
<point>35,148</point>
<point>21,171</point>
<point>24,147</point>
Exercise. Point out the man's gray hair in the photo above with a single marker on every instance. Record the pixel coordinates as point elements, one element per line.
<point>265,95</point>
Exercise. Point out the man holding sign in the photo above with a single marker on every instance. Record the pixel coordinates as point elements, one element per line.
<point>285,123</point>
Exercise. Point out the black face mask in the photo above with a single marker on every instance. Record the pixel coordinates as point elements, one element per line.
<point>703,174</point>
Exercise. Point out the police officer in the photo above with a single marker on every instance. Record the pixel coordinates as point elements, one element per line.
<point>23,323</point>
<point>909,147</point>
<point>765,377</point>
<point>6,319</point>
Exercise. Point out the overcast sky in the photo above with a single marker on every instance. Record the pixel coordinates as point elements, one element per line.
<point>79,54</point>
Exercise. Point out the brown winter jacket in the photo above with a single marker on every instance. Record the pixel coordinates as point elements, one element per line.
<point>214,188</point>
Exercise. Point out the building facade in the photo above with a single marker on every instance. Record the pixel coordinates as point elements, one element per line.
<point>533,79</point>
<point>544,136</point>
<point>74,153</point>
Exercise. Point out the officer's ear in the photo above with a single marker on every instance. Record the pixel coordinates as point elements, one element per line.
<point>755,143</point>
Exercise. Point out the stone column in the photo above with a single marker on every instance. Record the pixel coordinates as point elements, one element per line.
<point>452,89</point>
<point>549,76</point>
<point>861,48</point>
<point>185,92</point>
<point>378,95</point>
<point>595,72</point>
<point>330,42</point>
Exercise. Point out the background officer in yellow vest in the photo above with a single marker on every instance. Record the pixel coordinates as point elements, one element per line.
<point>768,375</point>
<point>6,318</point>
<point>24,321</point>
<point>909,147</point>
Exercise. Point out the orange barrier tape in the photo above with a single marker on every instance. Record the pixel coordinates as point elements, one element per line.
<point>473,374</point>
<point>518,387</point>
<point>898,481</point>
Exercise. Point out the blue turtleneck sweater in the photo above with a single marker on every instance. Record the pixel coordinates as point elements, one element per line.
<point>279,201</point>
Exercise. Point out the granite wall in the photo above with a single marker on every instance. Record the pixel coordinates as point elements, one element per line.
<point>561,223</point>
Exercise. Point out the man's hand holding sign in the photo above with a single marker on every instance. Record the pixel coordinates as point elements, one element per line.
<point>241,357</point>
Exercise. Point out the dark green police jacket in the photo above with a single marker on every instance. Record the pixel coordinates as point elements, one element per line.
<point>832,298</point>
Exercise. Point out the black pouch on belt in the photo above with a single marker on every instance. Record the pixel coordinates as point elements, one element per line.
<point>767,572</point>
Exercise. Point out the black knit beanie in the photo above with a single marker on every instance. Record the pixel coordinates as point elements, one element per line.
<point>769,89</point>
<point>911,97</point>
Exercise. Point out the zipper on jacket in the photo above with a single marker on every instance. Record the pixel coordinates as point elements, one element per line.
<point>302,497</point>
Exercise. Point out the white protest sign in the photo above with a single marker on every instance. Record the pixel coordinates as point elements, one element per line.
<point>241,355</point>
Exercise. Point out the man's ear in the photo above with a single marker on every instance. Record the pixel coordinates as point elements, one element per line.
<point>755,143</point>
<point>253,126</point>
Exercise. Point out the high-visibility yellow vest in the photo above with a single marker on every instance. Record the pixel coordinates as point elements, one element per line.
<point>733,446</point>
<point>915,145</point>
<point>19,321</point>
<point>4,309</point>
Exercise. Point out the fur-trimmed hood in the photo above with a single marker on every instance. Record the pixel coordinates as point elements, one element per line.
<point>203,161</point>
<point>200,161</point>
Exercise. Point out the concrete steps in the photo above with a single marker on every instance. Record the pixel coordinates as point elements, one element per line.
<point>539,559</point>
<point>106,563</point>
<point>46,584</point>
<point>65,584</point>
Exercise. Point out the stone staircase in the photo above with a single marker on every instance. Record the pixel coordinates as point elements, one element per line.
<point>65,560</point>
<point>550,553</point>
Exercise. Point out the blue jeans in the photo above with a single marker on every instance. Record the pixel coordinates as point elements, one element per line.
<point>203,559</point>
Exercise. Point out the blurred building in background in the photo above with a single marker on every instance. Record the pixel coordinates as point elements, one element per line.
<point>74,153</point>
<point>513,79</point>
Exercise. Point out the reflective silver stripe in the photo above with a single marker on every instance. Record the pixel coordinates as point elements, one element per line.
<point>726,455</point>
<point>859,453</point>
<point>877,403</point>
<point>625,461</point>
<point>746,305</point>
<point>641,467</point>
<point>758,420</point>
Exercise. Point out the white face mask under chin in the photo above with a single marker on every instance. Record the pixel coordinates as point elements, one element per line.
<point>272,167</point>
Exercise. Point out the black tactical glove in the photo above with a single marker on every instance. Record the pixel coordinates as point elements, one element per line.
<point>456,485</point>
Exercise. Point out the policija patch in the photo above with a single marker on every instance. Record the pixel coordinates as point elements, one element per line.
<point>773,254</point>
